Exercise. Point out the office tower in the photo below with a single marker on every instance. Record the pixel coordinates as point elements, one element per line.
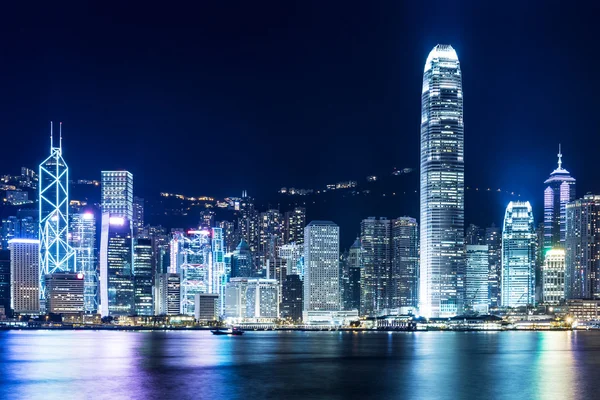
<point>295,221</point>
<point>168,294</point>
<point>582,256</point>
<point>229,242</point>
<point>138,215</point>
<point>242,262</point>
<point>191,257</point>
<point>25,276</point>
<point>11,229</point>
<point>291,253</point>
<point>476,278</point>
<point>117,194</point>
<point>5,281</point>
<point>518,255</point>
<point>83,241</point>
<point>19,227</point>
<point>207,307</point>
<point>553,277</point>
<point>442,186</point>
<point>375,237</point>
<point>64,293</point>
<point>143,273</point>
<point>262,298</point>
<point>291,298</point>
<point>474,235</point>
<point>270,233</point>
<point>321,266</point>
<point>493,240</point>
<point>116,270</point>
<point>248,223</point>
<point>219,273</point>
<point>235,298</point>
<point>56,254</point>
<point>354,264</point>
<point>404,285</point>
<point>560,190</point>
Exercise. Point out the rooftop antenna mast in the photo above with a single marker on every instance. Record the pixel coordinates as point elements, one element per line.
<point>51,136</point>
<point>559,157</point>
<point>60,136</point>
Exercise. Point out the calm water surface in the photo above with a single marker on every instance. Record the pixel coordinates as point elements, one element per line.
<point>294,365</point>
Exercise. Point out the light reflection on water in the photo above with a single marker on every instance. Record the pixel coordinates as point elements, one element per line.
<point>196,364</point>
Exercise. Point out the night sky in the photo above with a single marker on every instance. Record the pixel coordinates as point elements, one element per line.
<point>229,95</point>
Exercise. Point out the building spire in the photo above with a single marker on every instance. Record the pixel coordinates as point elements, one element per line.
<point>51,136</point>
<point>60,135</point>
<point>559,157</point>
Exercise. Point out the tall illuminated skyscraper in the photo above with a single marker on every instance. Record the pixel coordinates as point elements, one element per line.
<point>404,282</point>
<point>518,255</point>
<point>117,194</point>
<point>83,241</point>
<point>321,266</point>
<point>116,269</point>
<point>375,237</point>
<point>143,274</point>
<point>56,255</point>
<point>560,190</point>
<point>442,185</point>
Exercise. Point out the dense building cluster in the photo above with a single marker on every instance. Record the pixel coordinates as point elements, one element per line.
<point>263,266</point>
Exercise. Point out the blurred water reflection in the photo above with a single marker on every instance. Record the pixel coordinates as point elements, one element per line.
<point>194,364</point>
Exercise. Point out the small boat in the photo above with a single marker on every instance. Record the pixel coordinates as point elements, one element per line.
<point>232,331</point>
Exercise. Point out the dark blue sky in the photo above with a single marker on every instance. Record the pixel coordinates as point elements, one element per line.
<point>225,96</point>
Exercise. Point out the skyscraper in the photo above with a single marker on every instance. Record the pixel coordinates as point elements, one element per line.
<point>442,185</point>
<point>117,194</point>
<point>143,276</point>
<point>25,276</point>
<point>83,242</point>
<point>291,298</point>
<point>518,255</point>
<point>352,291</point>
<point>476,278</point>
<point>493,240</point>
<point>560,189</point>
<point>168,294</point>
<point>56,254</point>
<point>375,237</point>
<point>295,221</point>
<point>582,256</point>
<point>553,277</point>
<point>65,293</point>
<point>321,266</point>
<point>5,281</point>
<point>242,261</point>
<point>116,270</point>
<point>404,284</point>
<point>138,215</point>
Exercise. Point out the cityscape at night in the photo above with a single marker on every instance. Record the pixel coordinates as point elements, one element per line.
<point>300,200</point>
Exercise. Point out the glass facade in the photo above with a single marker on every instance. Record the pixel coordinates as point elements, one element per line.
<point>142,271</point>
<point>83,242</point>
<point>518,255</point>
<point>117,193</point>
<point>405,263</point>
<point>582,240</point>
<point>442,185</point>
<point>476,278</point>
<point>375,237</point>
<point>560,190</point>
<point>553,277</point>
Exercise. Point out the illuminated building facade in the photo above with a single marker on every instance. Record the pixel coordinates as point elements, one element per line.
<point>65,293</point>
<point>404,280</point>
<point>493,240</point>
<point>560,190</point>
<point>83,242</point>
<point>168,294</point>
<point>56,255</point>
<point>291,298</point>
<point>218,275</point>
<point>262,298</point>
<point>138,215</point>
<point>117,194</point>
<point>242,261</point>
<point>191,257</point>
<point>5,281</point>
<point>553,277</point>
<point>441,288</point>
<point>295,221</point>
<point>321,267</point>
<point>476,278</point>
<point>352,289</point>
<point>291,253</point>
<point>518,255</point>
<point>375,237</point>
<point>143,274</point>
<point>582,245</point>
<point>25,275</point>
<point>116,267</point>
